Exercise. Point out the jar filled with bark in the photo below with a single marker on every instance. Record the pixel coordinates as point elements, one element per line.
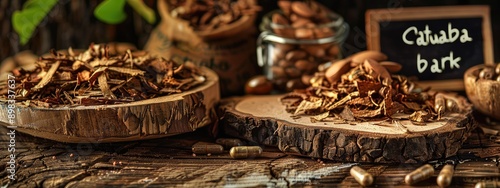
<point>296,39</point>
<point>218,34</point>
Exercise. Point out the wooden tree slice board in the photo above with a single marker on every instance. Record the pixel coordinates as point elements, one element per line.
<point>146,119</point>
<point>263,119</point>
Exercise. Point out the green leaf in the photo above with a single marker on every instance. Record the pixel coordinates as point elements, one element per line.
<point>25,22</point>
<point>111,11</point>
<point>142,9</point>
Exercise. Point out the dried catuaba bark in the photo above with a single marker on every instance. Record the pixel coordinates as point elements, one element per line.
<point>209,14</point>
<point>367,90</point>
<point>95,77</point>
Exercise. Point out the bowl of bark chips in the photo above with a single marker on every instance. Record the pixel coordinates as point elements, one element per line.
<point>482,85</point>
<point>105,94</point>
<point>355,110</point>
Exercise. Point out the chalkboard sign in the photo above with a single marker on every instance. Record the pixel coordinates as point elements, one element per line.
<point>434,44</point>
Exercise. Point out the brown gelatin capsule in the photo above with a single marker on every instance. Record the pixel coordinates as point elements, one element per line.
<point>206,148</point>
<point>497,68</point>
<point>445,176</point>
<point>258,85</point>
<point>487,184</point>
<point>229,142</point>
<point>419,174</point>
<point>243,152</point>
<point>361,176</point>
<point>498,78</point>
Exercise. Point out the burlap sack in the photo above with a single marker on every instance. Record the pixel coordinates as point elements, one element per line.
<point>228,50</point>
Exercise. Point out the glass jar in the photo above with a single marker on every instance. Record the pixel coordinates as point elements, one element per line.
<point>291,55</point>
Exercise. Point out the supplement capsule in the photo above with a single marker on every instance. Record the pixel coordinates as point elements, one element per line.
<point>497,68</point>
<point>229,142</point>
<point>206,148</point>
<point>419,174</point>
<point>487,184</point>
<point>259,85</point>
<point>242,152</point>
<point>445,176</point>
<point>361,176</point>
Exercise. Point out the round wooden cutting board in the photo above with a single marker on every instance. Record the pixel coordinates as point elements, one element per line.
<point>263,119</point>
<point>146,119</point>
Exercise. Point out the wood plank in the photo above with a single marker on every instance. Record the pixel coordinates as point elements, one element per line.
<point>264,120</point>
<point>168,162</point>
<point>147,119</point>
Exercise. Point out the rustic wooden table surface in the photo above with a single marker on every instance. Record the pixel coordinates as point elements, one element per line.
<point>169,162</point>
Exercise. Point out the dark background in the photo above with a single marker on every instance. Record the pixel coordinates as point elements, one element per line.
<point>71,23</point>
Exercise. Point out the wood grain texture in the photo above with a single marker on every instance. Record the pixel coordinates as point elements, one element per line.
<point>168,162</point>
<point>269,124</point>
<point>146,119</point>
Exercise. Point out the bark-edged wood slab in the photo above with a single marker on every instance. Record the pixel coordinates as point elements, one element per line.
<point>263,119</point>
<point>146,119</point>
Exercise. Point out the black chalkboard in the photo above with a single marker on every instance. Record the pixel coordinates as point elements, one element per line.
<point>462,39</point>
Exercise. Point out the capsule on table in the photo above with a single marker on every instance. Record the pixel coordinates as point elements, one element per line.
<point>361,176</point>
<point>419,174</point>
<point>206,148</point>
<point>487,184</point>
<point>258,85</point>
<point>445,176</point>
<point>242,152</point>
<point>229,142</point>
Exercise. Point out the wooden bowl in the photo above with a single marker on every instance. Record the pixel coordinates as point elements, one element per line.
<point>483,94</point>
<point>152,118</point>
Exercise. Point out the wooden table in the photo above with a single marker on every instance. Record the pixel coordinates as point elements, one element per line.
<point>169,162</point>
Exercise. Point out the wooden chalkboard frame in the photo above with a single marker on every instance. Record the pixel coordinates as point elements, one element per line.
<point>375,16</point>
